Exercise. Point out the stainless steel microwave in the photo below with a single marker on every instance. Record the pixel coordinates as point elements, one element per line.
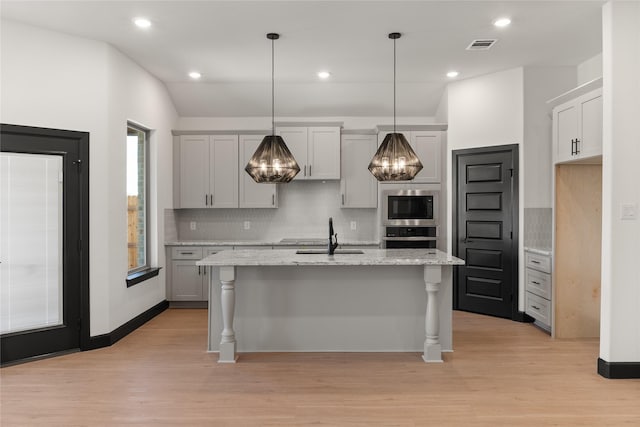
<point>410,207</point>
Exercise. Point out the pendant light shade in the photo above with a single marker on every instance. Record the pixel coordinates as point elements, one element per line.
<point>395,160</point>
<point>272,162</point>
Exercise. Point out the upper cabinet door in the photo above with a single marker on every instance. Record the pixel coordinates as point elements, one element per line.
<point>194,171</point>
<point>428,148</point>
<point>252,194</point>
<point>590,142</point>
<point>566,130</point>
<point>323,153</point>
<point>358,187</point>
<point>296,140</point>
<point>223,171</point>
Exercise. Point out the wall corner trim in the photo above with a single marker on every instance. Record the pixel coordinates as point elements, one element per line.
<point>618,370</point>
<point>106,340</point>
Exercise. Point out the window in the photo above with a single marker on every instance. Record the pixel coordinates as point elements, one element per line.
<point>137,197</point>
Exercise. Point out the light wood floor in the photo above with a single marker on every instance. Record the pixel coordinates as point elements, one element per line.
<point>501,373</point>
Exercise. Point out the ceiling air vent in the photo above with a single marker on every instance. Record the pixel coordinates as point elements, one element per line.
<point>481,44</point>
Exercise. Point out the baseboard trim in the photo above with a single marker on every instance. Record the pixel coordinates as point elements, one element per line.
<point>618,370</point>
<point>105,340</point>
<point>521,316</point>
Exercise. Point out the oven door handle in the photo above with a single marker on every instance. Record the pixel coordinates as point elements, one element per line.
<point>411,239</point>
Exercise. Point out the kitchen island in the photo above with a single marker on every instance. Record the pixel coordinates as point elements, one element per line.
<point>369,301</point>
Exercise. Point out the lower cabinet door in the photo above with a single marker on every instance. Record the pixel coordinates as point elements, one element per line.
<point>538,308</point>
<point>187,281</point>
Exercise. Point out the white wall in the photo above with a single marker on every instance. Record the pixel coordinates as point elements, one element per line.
<point>488,111</point>
<point>590,69</point>
<point>620,292</point>
<point>540,85</point>
<point>50,79</point>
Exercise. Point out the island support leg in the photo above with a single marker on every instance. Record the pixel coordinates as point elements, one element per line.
<point>432,347</point>
<point>228,299</point>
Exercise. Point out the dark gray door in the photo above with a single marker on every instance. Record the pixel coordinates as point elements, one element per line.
<point>485,230</point>
<point>44,223</point>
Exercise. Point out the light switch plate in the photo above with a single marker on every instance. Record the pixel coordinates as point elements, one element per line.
<point>192,225</point>
<point>629,211</point>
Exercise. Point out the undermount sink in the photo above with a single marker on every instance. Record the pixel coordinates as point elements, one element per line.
<point>304,242</point>
<point>324,251</point>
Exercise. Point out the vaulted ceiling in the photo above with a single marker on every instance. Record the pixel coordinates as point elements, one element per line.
<point>225,41</point>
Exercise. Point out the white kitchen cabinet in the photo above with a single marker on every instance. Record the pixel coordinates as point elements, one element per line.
<point>188,281</point>
<point>186,277</point>
<point>427,145</point>
<point>538,288</point>
<point>577,128</point>
<point>208,171</point>
<point>252,194</point>
<point>358,187</point>
<point>316,149</point>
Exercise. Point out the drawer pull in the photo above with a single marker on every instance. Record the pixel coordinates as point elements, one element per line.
<point>535,283</point>
<point>535,262</point>
<point>537,308</point>
<point>186,253</point>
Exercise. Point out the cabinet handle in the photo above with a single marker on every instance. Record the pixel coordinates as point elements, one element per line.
<point>198,270</point>
<point>535,262</point>
<point>309,170</point>
<point>204,271</point>
<point>537,308</point>
<point>534,282</point>
<point>211,199</point>
<point>343,200</point>
<point>273,200</point>
<point>305,170</point>
<point>206,200</point>
<point>186,253</point>
<point>577,149</point>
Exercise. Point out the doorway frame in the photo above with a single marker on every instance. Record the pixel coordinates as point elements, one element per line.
<point>516,314</point>
<point>82,163</point>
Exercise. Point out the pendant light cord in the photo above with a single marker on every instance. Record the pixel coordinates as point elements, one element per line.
<point>273,120</point>
<point>394,85</point>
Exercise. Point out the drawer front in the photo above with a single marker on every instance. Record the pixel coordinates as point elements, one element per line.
<point>538,308</point>
<point>538,262</point>
<point>186,253</point>
<point>538,283</point>
<point>215,249</point>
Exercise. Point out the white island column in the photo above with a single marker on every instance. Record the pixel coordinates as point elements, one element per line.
<point>432,347</point>
<point>228,300</point>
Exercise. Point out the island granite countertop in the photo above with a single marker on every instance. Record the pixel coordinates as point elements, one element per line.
<point>284,257</point>
<point>282,243</point>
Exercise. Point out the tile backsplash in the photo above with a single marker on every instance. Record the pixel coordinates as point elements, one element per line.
<point>303,211</point>
<point>538,227</point>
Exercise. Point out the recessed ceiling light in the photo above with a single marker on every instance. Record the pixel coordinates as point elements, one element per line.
<point>502,22</point>
<point>324,75</point>
<point>142,22</point>
<point>195,75</point>
<point>452,74</point>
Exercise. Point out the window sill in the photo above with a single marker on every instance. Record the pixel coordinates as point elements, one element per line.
<point>141,276</point>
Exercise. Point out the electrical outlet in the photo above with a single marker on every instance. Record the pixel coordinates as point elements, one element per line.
<point>354,225</point>
<point>192,225</point>
<point>629,211</point>
<point>247,225</point>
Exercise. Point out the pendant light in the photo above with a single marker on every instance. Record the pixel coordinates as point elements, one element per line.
<point>272,162</point>
<point>395,160</point>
